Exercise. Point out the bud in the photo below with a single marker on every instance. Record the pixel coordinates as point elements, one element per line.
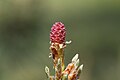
<point>58,33</point>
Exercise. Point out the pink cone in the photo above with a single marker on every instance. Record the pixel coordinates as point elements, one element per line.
<point>58,33</point>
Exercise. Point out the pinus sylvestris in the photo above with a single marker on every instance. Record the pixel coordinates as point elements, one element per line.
<point>57,45</point>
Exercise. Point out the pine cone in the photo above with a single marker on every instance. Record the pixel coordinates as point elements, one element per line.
<point>58,33</point>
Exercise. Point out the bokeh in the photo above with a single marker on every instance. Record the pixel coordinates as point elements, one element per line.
<point>92,25</point>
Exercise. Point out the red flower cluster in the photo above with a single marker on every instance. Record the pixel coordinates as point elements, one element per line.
<point>58,33</point>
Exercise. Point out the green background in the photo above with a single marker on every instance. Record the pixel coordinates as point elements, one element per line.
<point>92,25</point>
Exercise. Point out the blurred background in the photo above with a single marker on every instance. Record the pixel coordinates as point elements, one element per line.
<point>92,25</point>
